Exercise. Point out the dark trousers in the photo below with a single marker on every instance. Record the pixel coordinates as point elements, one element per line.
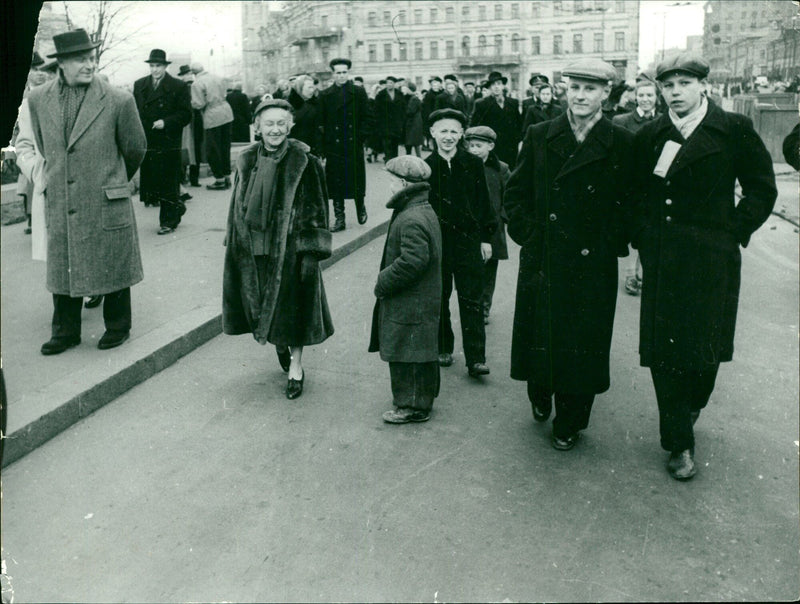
<point>572,409</point>
<point>679,393</point>
<point>67,313</point>
<point>489,281</point>
<point>462,263</point>
<point>218,150</point>
<point>414,385</point>
<point>390,145</point>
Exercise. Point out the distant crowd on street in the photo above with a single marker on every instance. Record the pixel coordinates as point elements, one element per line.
<point>576,174</point>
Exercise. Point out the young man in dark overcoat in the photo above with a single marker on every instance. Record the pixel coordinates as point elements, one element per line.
<point>566,204</point>
<point>390,117</point>
<point>501,114</point>
<point>689,231</point>
<point>405,322</point>
<point>460,197</point>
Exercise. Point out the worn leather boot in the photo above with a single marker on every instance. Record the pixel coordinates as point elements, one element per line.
<point>338,212</point>
<point>361,211</point>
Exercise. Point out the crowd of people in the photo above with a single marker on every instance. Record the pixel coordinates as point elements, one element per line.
<point>573,188</point>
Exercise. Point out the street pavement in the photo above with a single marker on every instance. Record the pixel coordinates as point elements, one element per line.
<point>204,483</point>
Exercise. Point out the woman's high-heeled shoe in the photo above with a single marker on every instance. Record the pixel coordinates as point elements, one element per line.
<point>294,388</point>
<point>284,358</point>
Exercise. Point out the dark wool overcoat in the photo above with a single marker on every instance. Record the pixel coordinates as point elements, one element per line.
<point>428,106</point>
<point>92,241</point>
<point>630,121</point>
<point>307,126</point>
<point>346,122</point>
<point>689,229</point>
<point>456,101</point>
<point>566,206</point>
<point>390,114</point>
<point>292,312</point>
<point>538,113</point>
<point>497,175</point>
<point>242,116</point>
<point>506,123</point>
<point>405,320</point>
<point>414,134</point>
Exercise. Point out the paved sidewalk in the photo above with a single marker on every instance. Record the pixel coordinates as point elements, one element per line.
<point>175,309</point>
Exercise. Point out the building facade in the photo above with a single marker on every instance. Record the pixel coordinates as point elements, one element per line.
<point>420,38</point>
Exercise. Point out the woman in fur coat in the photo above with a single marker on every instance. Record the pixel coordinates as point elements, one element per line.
<point>277,234</point>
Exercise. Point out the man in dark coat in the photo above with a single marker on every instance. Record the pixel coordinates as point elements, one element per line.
<point>566,204</point>
<point>460,198</point>
<point>689,231</point>
<point>390,117</point>
<point>536,81</point>
<point>451,97</point>
<point>165,107</point>
<point>471,95</point>
<point>405,321</point>
<point>501,114</point>
<point>346,121</point>
<point>242,116</point>
<point>429,100</point>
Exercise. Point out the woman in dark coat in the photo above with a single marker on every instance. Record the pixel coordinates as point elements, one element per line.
<point>307,126</point>
<point>545,109</point>
<point>277,234</point>
<point>414,135</point>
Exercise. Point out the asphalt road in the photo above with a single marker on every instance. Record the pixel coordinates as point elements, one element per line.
<point>205,484</point>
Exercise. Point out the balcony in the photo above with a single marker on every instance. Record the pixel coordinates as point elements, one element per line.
<point>473,61</point>
<point>302,36</point>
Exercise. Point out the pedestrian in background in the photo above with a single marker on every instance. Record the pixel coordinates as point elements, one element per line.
<point>242,116</point>
<point>544,109</point>
<point>390,115</point>
<point>277,233</point>
<point>164,105</point>
<point>307,119</point>
<point>405,321</point>
<point>689,231</point>
<point>191,137</point>
<point>208,96</point>
<point>92,140</point>
<point>500,113</point>
<point>480,142</point>
<point>412,130</point>
<point>451,97</point>
<point>566,203</point>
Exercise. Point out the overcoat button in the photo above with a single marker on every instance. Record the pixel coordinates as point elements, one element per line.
<point>72,212</point>
<point>70,182</point>
<point>668,219</point>
<point>553,217</point>
<point>590,188</point>
<point>668,183</point>
<point>584,252</point>
<point>556,187</point>
<point>668,202</point>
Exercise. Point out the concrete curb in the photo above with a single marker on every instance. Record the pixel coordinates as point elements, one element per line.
<point>160,350</point>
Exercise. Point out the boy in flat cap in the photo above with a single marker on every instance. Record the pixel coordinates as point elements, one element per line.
<point>689,230</point>
<point>480,142</point>
<point>460,198</point>
<point>566,204</point>
<point>405,321</point>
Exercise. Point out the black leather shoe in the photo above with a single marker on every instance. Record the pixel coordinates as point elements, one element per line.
<point>681,465</point>
<point>284,358</point>
<point>477,369</point>
<point>112,339</point>
<point>185,197</point>
<point>195,184</point>
<point>445,359</point>
<point>294,388</point>
<point>404,416</point>
<point>338,226</point>
<point>362,215</point>
<point>566,443</point>
<point>58,345</point>
<point>93,302</point>
<point>218,185</point>
<point>165,230</point>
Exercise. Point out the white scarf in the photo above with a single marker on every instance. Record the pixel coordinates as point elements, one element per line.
<point>686,125</point>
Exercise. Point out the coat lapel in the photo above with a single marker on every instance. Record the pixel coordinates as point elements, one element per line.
<point>90,109</point>
<point>560,138</point>
<point>52,104</point>
<point>701,143</point>
<point>593,149</point>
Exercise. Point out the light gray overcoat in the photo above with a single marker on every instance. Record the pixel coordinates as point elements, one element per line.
<point>92,242</point>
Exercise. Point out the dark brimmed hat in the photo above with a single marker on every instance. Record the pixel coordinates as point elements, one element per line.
<point>158,56</point>
<point>496,76</point>
<point>538,78</point>
<point>484,84</point>
<point>72,42</point>
<point>411,86</point>
<point>50,67</point>
<point>358,79</point>
<point>483,133</point>
<point>381,82</point>
<point>37,60</point>
<point>468,83</point>
<point>270,103</point>
<point>590,69</point>
<point>409,167</point>
<point>447,114</point>
<point>434,79</point>
<point>391,79</point>
<point>452,77</point>
<point>687,62</point>
<point>183,70</point>
<point>340,61</point>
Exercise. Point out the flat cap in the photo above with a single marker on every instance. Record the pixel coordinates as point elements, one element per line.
<point>391,79</point>
<point>409,167</point>
<point>687,62</point>
<point>434,79</point>
<point>590,69</point>
<point>452,77</point>
<point>447,114</point>
<point>481,132</point>
<point>270,103</point>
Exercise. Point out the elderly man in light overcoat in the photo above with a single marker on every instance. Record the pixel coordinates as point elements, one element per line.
<point>93,142</point>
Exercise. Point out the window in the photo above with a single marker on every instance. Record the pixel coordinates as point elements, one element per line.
<point>450,14</point>
<point>324,21</point>
<point>498,11</point>
<point>449,49</point>
<point>598,42</point>
<point>387,52</point>
<point>514,43</point>
<point>401,18</point>
<point>577,6</point>
<point>418,51</point>
<point>481,13</point>
<point>498,44</point>
<point>373,53</point>
<point>417,15</point>
<point>619,40</point>
<point>535,10</point>
<point>619,6</point>
<point>434,15</point>
<point>403,51</point>
<point>465,46</point>
<point>577,43</point>
<point>536,45</point>
<point>515,11</point>
<point>557,6</point>
<point>481,45</point>
<point>434,50</point>
<point>557,44</point>
<point>465,12</point>
<point>387,17</point>
<point>372,19</point>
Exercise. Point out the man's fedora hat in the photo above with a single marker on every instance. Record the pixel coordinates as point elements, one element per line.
<point>158,56</point>
<point>686,62</point>
<point>391,79</point>
<point>590,69</point>
<point>72,42</point>
<point>496,76</point>
<point>183,70</point>
<point>37,60</point>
